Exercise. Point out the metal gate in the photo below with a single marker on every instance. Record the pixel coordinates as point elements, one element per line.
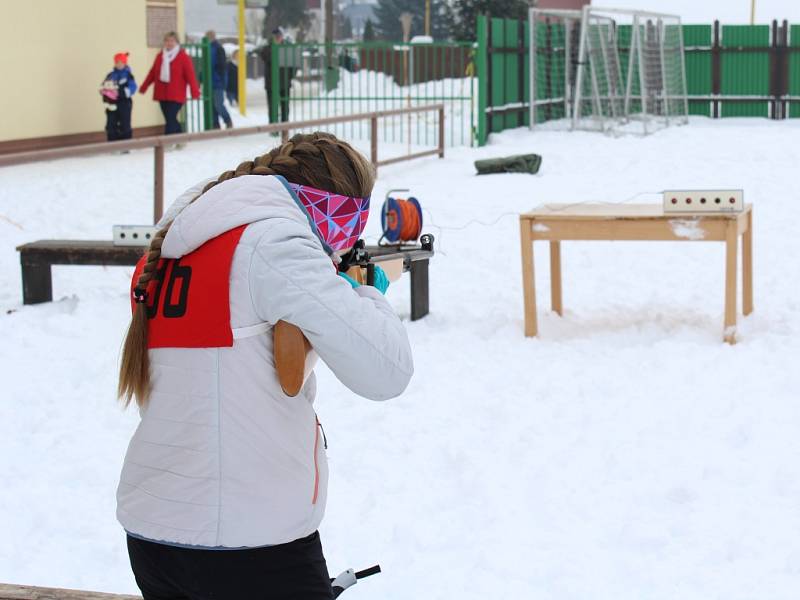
<point>312,81</point>
<point>198,115</point>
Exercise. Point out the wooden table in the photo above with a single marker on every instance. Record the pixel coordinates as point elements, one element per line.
<point>634,222</point>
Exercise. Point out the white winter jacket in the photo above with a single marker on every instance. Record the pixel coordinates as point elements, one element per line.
<point>222,457</point>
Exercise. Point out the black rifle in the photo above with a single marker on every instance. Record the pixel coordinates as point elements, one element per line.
<point>349,578</point>
<point>359,256</point>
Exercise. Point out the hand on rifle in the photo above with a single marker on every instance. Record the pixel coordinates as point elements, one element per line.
<point>381,281</point>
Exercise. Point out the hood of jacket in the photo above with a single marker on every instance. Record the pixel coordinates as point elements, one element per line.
<point>119,73</point>
<point>238,201</point>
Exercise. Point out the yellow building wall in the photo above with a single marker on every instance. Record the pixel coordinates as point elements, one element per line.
<point>55,55</point>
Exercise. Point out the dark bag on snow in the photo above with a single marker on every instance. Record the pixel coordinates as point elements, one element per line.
<point>521,163</point>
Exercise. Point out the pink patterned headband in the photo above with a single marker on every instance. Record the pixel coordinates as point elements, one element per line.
<point>339,220</point>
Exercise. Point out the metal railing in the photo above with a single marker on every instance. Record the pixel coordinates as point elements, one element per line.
<point>316,80</point>
<point>158,143</point>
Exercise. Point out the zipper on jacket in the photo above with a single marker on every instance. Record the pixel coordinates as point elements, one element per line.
<point>316,461</point>
<point>324,437</point>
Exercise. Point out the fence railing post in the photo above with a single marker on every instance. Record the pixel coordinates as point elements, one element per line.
<point>716,72</point>
<point>441,132</point>
<point>373,139</point>
<point>209,118</point>
<point>158,182</point>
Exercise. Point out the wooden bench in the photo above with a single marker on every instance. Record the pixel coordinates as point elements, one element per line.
<point>29,592</point>
<point>37,258</point>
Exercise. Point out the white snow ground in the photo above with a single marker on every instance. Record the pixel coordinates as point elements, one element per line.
<point>627,453</point>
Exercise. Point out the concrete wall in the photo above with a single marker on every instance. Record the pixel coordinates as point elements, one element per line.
<point>55,55</point>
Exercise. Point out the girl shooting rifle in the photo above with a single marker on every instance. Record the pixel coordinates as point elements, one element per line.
<point>225,479</point>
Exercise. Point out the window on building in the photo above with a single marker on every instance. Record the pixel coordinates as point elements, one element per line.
<point>162,17</point>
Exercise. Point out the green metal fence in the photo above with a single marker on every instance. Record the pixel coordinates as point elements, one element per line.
<point>731,71</point>
<point>698,67</point>
<point>198,115</point>
<point>311,81</point>
<point>503,73</point>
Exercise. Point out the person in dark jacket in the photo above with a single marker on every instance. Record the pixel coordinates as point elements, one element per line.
<point>285,75</point>
<point>232,85</point>
<point>219,73</point>
<point>117,89</point>
<point>171,72</point>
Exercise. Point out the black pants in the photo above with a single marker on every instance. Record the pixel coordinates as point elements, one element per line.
<point>118,122</point>
<point>284,106</point>
<point>170,111</point>
<point>293,571</point>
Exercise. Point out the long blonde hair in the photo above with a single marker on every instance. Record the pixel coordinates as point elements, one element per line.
<point>318,160</point>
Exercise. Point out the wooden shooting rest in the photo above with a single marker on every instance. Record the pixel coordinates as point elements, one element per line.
<point>635,222</point>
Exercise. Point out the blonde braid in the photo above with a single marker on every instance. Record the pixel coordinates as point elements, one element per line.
<point>318,160</point>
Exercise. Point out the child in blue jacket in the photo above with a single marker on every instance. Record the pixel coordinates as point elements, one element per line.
<point>117,90</point>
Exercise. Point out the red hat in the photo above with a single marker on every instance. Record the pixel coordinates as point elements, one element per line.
<point>121,57</point>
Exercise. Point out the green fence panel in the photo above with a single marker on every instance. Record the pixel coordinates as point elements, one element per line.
<point>697,41</point>
<point>198,115</point>
<point>507,72</point>
<point>481,68</point>
<point>510,71</point>
<point>497,84</point>
<point>745,73</point>
<point>794,70</point>
<point>511,75</point>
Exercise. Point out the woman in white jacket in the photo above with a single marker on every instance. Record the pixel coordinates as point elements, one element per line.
<point>225,480</point>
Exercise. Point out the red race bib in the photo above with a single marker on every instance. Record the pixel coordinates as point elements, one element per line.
<point>188,299</point>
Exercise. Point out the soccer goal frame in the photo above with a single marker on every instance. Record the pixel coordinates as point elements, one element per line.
<point>598,88</point>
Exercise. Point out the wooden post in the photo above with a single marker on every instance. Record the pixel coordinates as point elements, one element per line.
<point>441,132</point>
<point>284,136</point>
<point>555,278</point>
<point>747,266</point>
<point>373,140</point>
<point>731,256</point>
<point>528,278</point>
<point>158,182</point>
